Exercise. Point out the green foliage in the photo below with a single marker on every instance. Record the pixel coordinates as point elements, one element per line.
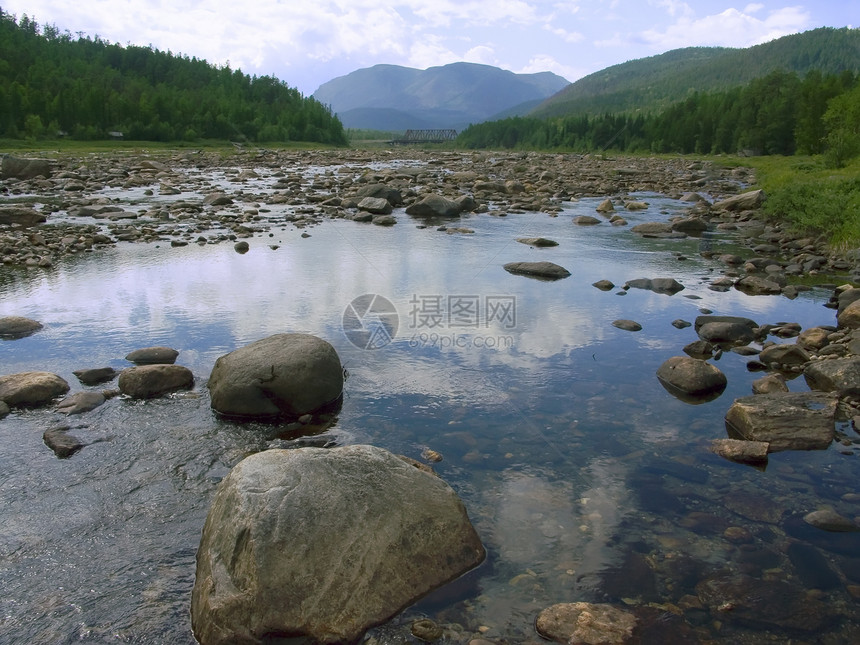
<point>842,123</point>
<point>87,88</point>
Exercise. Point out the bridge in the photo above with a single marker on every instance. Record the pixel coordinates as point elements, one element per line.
<point>425,136</point>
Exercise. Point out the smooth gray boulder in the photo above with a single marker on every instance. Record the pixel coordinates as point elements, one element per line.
<point>153,356</point>
<point>785,354</point>
<point>61,442</point>
<point>322,544</point>
<point>375,205</point>
<point>381,191</point>
<point>14,327</point>
<point>725,330</point>
<point>21,215</point>
<point>80,402</point>
<point>586,220</point>
<point>22,168</point>
<point>541,270</point>
<point>282,376</point>
<point>785,420</point>
<point>31,389</point>
<point>434,206</point>
<point>691,379</point>
<point>834,375</point>
<point>152,381</point>
<point>827,519</point>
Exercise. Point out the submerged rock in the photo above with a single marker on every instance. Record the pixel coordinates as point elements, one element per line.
<point>582,622</point>
<point>80,402</point>
<point>741,451</point>
<point>322,544</point>
<point>544,270</point>
<point>61,442</point>
<point>827,519</point>
<point>14,327</point>
<point>282,376</point>
<point>786,420</point>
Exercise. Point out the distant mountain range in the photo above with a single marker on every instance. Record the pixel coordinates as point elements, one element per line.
<point>395,98</point>
<point>653,83</point>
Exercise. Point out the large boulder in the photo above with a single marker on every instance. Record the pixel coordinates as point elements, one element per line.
<point>22,168</point>
<point>375,205</point>
<point>434,206</point>
<point>726,330</point>
<point>691,379</point>
<point>31,389</point>
<point>152,381</point>
<point>743,202</point>
<point>388,193</point>
<point>785,420</point>
<point>21,215</point>
<point>13,327</point>
<point>835,375</point>
<point>282,376</point>
<point>849,317</point>
<point>541,270</point>
<point>322,544</point>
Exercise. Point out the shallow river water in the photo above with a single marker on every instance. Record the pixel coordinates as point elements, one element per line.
<point>584,477</point>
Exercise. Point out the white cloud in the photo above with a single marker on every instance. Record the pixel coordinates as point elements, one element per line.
<point>564,34</point>
<point>731,28</point>
<point>543,63</point>
<point>481,54</point>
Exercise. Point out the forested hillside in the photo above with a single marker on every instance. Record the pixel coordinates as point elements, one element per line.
<point>53,82</point>
<point>653,83</point>
<point>776,114</point>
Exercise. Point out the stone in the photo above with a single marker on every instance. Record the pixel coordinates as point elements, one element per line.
<point>606,206</point>
<point>31,389</point>
<point>281,376</point>
<point>785,420</point>
<point>653,229</point>
<point>15,327</point>
<point>685,376</point>
<point>744,452</point>
<point>322,544</point>
<point>80,402</point>
<point>743,202</point>
<point>690,225</point>
<point>4,409</point>
<point>725,333</point>
<point>604,285</point>
<point>627,325</point>
<point>217,199</point>
<point>152,381</point>
<point>434,206</point>
<point>157,355</point>
<point>542,270</point>
<point>537,241</point>
<point>667,286</point>
<point>24,216</point>
<point>850,316</point>
<point>22,168</point>
<point>95,376</point>
<point>754,285</point>
<point>390,194</point>
<point>586,623</point>
<point>466,203</point>
<point>786,354</point>
<point>679,323</point>
<point>636,205</point>
<point>61,442</point>
<point>241,247</point>
<point>426,630</point>
<point>699,349</point>
<point>586,220</point>
<point>384,220</point>
<point>375,205</point>
<point>769,384</point>
<point>834,375</point>
<point>827,519</point>
<point>813,339</point>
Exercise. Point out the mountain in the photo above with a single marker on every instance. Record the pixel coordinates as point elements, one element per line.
<point>449,96</point>
<point>653,83</point>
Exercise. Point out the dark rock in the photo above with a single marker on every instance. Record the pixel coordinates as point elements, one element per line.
<point>784,355</point>
<point>627,325</point>
<point>434,206</point>
<point>31,389</point>
<point>14,327</point>
<point>537,241</point>
<point>96,375</point>
<point>586,220</point>
<point>390,194</point>
<point>681,324</point>
<point>21,168</point>
<point>375,205</point>
<point>787,421</point>
<point>812,567</point>
<point>668,286</point>
<point>153,355</point>
<point>61,442</point>
<point>725,333</point>
<point>384,220</point>
<point>604,285</point>
<point>80,402</point>
<point>699,349</point>
<point>21,216</point>
<point>827,519</point>
<point>745,452</point>
<point>151,381</point>
<point>217,199</point>
<point>241,247</point>
<point>834,375</point>
<point>285,375</point>
<point>690,226</point>
<point>544,270</point>
<point>754,285</point>
<point>322,544</point>
<point>426,630</point>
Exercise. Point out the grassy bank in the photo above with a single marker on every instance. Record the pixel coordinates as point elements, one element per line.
<point>812,199</point>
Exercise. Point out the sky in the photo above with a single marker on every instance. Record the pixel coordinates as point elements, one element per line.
<point>308,42</point>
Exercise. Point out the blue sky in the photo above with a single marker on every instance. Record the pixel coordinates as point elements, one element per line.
<point>308,42</point>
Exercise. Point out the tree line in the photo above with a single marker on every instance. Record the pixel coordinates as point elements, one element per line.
<point>780,113</point>
<point>53,83</point>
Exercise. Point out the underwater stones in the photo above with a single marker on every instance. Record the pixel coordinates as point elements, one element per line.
<point>61,442</point>
<point>582,622</point>
<point>323,544</point>
<point>785,420</point>
<point>827,519</point>
<point>542,270</point>
<point>741,451</point>
<point>80,402</point>
<point>285,375</point>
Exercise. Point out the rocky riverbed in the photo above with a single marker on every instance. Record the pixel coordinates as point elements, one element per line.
<point>787,549</point>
